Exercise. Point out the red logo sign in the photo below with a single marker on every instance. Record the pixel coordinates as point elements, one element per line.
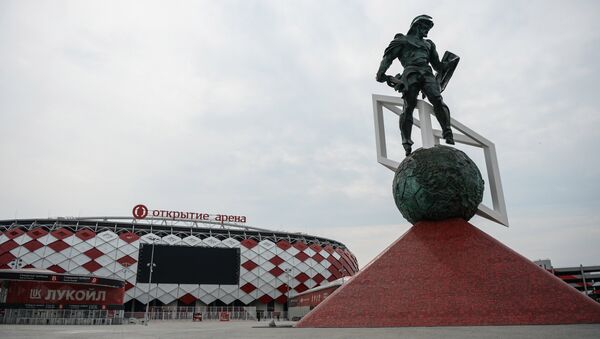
<point>40,292</point>
<point>140,211</point>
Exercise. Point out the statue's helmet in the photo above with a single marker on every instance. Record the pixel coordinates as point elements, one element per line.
<point>421,19</point>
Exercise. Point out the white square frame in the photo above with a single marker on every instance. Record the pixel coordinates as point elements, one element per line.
<point>431,137</point>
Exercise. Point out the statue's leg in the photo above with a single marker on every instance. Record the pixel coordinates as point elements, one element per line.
<point>441,110</point>
<point>406,118</point>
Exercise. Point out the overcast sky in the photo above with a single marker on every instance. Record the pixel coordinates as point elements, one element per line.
<point>263,109</point>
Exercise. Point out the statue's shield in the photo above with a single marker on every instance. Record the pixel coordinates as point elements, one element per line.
<point>444,77</point>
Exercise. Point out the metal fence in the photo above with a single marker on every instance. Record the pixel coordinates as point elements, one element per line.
<point>187,312</point>
<point>116,317</point>
<point>61,317</point>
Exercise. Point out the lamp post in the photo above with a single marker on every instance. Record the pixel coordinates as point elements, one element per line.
<point>287,292</point>
<point>151,265</point>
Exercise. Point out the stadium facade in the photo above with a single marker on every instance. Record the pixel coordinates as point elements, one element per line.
<point>222,263</point>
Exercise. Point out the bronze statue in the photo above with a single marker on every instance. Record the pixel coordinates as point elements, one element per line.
<point>416,54</point>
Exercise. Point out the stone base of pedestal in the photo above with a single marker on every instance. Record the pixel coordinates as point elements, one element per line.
<point>450,273</point>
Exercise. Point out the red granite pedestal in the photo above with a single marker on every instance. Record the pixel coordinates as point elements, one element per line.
<point>450,273</point>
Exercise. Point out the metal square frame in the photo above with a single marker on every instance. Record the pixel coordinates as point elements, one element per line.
<point>431,137</point>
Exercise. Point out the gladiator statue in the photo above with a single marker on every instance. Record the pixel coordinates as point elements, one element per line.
<point>417,56</point>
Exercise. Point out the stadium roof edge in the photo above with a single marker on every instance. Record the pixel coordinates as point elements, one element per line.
<point>157,222</point>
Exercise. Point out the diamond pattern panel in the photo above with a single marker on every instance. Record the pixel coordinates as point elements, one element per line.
<point>57,258</point>
<point>276,271</point>
<point>248,288</point>
<point>188,299</point>
<point>171,239</point>
<point>104,247</point>
<point>58,245</point>
<point>316,247</point>
<point>249,243</point>
<point>276,260</point>
<point>300,288</point>
<point>310,283</point>
<point>22,238</point>
<point>106,261</point>
<point>14,233</point>
<point>318,257</point>
<point>265,254</point>
<point>5,259</point>
<point>85,234</point>
<point>29,258</point>
<point>46,239</point>
<point>264,264</point>
<point>150,238</point>
<point>249,265</point>
<point>128,237</point>
<point>249,254</point>
<point>212,242</point>
<point>61,233</point>
<point>302,256</point>
<point>246,299</point>
<point>192,241</point>
<point>231,243</point>
<point>93,253</point>
<point>309,252</point>
<point>284,245</point>
<point>107,236</point>
<point>126,261</point>
<point>57,269</point>
<point>91,266</point>
<point>33,245</point>
<point>37,233</point>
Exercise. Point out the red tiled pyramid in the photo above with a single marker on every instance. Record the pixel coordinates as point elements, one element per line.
<point>450,273</point>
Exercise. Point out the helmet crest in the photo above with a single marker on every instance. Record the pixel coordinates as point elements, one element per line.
<point>421,19</point>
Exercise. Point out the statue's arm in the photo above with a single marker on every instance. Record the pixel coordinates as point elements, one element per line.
<point>434,58</point>
<point>386,62</point>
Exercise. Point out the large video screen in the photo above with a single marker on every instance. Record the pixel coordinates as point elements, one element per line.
<point>189,265</point>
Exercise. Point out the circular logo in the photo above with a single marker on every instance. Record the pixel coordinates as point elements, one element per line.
<point>140,211</point>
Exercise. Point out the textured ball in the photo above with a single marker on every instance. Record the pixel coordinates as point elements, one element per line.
<point>437,183</point>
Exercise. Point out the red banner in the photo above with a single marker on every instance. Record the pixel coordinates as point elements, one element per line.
<point>42,292</point>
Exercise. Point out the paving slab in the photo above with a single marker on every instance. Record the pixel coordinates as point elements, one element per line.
<point>248,330</point>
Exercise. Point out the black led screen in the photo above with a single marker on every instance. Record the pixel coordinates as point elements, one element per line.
<point>189,265</point>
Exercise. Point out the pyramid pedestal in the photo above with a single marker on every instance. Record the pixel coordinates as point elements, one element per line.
<point>450,273</point>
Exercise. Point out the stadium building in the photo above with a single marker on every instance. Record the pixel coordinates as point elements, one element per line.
<point>197,259</point>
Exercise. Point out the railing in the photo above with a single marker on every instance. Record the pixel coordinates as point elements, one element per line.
<point>61,317</point>
<point>207,312</point>
<point>187,312</point>
<point>115,317</point>
<point>272,315</point>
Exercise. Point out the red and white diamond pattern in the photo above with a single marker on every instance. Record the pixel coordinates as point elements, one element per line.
<point>266,267</point>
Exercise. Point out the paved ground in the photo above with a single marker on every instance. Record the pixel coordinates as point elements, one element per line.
<point>246,329</point>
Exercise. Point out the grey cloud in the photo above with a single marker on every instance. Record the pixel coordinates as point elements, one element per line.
<point>263,108</point>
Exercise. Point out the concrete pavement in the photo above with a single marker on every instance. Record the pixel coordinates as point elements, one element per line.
<point>246,329</point>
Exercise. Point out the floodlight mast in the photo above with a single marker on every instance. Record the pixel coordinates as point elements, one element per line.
<point>287,290</point>
<point>151,265</point>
